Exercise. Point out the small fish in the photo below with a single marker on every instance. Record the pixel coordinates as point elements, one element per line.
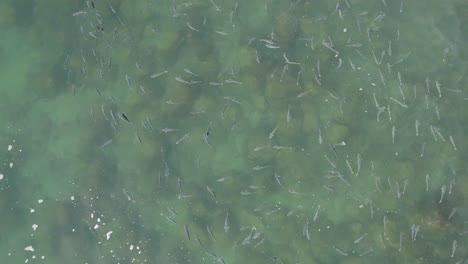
<point>260,148</point>
<point>226,224</point>
<point>113,117</point>
<point>454,247</point>
<point>299,73</point>
<point>340,251</point>
<point>454,210</point>
<point>316,213</point>
<point>152,29</point>
<point>179,183</point>
<point>213,255</point>
<point>192,28</point>
<point>221,260</point>
<point>305,230</point>
<point>272,46</point>
<point>190,72</point>
<point>225,107</point>
<point>285,68</point>
<point>206,135</point>
<point>268,213</point>
<point>173,211</point>
<point>349,166</point>
<point>138,67</point>
<point>359,163</point>
<point>401,241</point>
<point>211,192</point>
<point>351,63</point>
<point>124,117</point>
<point>179,79</point>
<point>92,115</point>
<point>250,41</point>
<point>272,133</point>
<point>167,130</point>
<point>199,241</point>
<point>215,6</point>
<point>158,74</point>
<point>360,238</point>
<point>182,138</point>
<point>142,88</point>
<point>223,179</point>
<point>329,46</point>
<point>414,232</point>
<point>258,168</point>
<point>79,13</point>
<point>320,136</point>
<point>317,79</point>
<point>138,137</point>
<point>232,81</point>
<point>278,181</point>
<point>129,81</point>
<point>267,41</point>
<point>127,194</point>
<point>187,232</point>
<point>442,193</point>
<point>256,187</point>
<point>304,93</point>
<point>277,147</point>
<point>170,102</point>
<point>437,83</point>
<point>171,220</point>
<point>210,232</point>
<point>453,143</point>
<point>221,32</point>
<point>288,61</point>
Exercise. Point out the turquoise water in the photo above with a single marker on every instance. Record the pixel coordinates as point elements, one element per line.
<point>233,132</point>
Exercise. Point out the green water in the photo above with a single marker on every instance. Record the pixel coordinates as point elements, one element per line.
<point>219,131</point>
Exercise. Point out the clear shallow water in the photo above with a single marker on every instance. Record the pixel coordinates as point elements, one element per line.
<point>211,132</point>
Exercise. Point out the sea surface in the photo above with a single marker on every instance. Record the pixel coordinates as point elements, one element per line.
<point>224,131</point>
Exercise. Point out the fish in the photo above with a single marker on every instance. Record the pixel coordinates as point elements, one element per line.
<point>226,224</point>
<point>187,232</point>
